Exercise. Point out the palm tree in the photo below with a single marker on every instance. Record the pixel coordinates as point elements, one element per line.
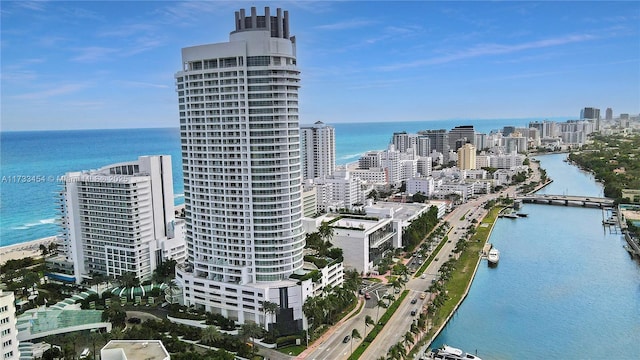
<point>354,335</point>
<point>326,234</point>
<point>396,284</point>
<point>95,337</point>
<point>415,329</point>
<point>251,331</point>
<point>397,352</point>
<point>172,287</point>
<point>381,304</point>
<point>128,279</point>
<point>367,321</point>
<point>408,338</point>
<point>325,231</point>
<point>210,335</point>
<point>269,307</point>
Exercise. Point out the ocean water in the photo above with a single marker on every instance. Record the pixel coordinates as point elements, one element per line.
<point>564,287</point>
<point>31,162</point>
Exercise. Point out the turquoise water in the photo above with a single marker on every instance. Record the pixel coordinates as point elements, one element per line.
<point>27,208</point>
<point>564,287</point>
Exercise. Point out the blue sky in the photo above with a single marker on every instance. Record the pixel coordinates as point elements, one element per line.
<point>93,64</point>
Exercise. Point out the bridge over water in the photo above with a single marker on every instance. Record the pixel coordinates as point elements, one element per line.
<point>567,200</point>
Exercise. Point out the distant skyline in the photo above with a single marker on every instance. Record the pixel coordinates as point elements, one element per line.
<point>96,65</point>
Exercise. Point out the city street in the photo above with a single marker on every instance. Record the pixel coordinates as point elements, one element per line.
<point>400,322</point>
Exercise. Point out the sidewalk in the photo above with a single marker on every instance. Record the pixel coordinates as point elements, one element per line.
<point>359,307</point>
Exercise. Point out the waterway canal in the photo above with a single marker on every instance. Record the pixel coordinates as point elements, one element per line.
<point>564,287</point>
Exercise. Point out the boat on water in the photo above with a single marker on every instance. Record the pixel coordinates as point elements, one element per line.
<point>494,256</point>
<point>447,352</point>
<point>522,214</point>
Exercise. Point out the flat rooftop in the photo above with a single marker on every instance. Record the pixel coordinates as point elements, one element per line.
<point>362,224</point>
<point>401,211</point>
<point>134,350</point>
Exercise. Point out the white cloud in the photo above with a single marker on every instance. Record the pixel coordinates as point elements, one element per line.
<point>54,91</point>
<point>141,84</point>
<point>93,53</point>
<point>491,49</point>
<point>349,24</point>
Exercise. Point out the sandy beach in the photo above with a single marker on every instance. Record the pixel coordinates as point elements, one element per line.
<point>23,250</point>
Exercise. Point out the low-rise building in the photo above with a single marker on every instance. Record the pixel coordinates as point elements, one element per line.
<point>134,350</point>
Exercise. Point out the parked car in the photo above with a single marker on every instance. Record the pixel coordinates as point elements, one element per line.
<point>367,296</point>
<point>414,300</point>
<point>346,339</point>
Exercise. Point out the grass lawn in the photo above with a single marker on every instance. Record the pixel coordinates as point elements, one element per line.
<point>292,349</point>
<point>463,273</point>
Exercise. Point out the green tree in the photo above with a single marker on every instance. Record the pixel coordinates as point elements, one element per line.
<point>269,308</point>
<point>29,280</point>
<point>380,304</point>
<point>44,250</point>
<point>210,335</point>
<point>354,335</point>
<point>171,290</point>
<point>408,338</point>
<point>368,320</point>
<point>128,279</point>
<point>251,331</point>
<point>325,231</point>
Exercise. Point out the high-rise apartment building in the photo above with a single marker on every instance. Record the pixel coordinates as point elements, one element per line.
<point>318,150</point>
<point>460,135</point>
<point>403,141</point>
<point>240,135</point>
<point>117,219</point>
<point>467,157</point>
<point>590,113</point>
<point>8,333</point>
<point>438,140</point>
<point>609,114</point>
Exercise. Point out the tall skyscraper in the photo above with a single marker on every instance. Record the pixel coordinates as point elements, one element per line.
<point>439,141</point>
<point>590,113</point>
<point>240,134</point>
<point>318,150</point>
<point>116,219</point>
<point>403,141</point>
<point>460,135</point>
<point>609,114</point>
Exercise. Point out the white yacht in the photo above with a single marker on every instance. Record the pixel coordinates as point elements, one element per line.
<point>447,352</point>
<point>494,256</point>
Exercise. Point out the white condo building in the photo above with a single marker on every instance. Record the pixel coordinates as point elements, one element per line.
<point>318,150</point>
<point>117,219</point>
<point>8,332</point>
<point>240,135</point>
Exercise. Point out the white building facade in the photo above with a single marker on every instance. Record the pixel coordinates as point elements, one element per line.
<point>240,134</point>
<point>120,218</point>
<point>318,150</point>
<point>8,332</point>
